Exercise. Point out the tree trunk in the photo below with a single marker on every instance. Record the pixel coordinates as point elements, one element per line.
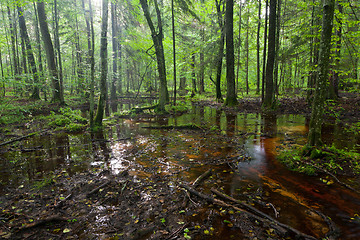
<point>57,94</point>
<point>277,47</point>
<point>202,64</point>
<point>247,53</point>
<point>103,65</point>
<point>79,66</point>
<point>193,60</point>
<point>114,50</point>
<point>314,53</point>
<point>269,88</point>
<point>29,53</point>
<point>42,82</point>
<point>239,50</point>
<point>159,51</point>
<point>230,67</point>
<point>258,50</point>
<point>220,54</point>
<point>264,52</point>
<point>174,46</point>
<point>314,137</point>
<point>58,50</point>
<point>334,83</point>
<point>13,49</point>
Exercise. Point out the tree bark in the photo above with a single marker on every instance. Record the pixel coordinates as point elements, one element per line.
<point>230,67</point>
<point>58,50</point>
<point>57,93</point>
<point>269,99</point>
<point>220,54</point>
<point>103,65</point>
<point>159,51</point>
<point>174,46</point>
<point>264,52</point>
<point>29,53</point>
<point>314,137</point>
<point>258,50</point>
<point>114,50</point>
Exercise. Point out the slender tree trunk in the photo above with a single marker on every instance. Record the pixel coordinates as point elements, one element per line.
<point>159,51</point>
<point>220,54</point>
<point>114,50</point>
<point>13,48</point>
<point>258,50</point>
<point>174,46</point>
<point>57,94</point>
<point>29,53</point>
<point>314,56</point>
<point>239,50</point>
<point>80,88</point>
<point>334,83</point>
<point>193,61</point>
<point>269,88</point>
<point>314,137</point>
<point>2,76</point>
<point>42,82</point>
<point>58,50</point>
<point>277,47</point>
<point>92,67</point>
<point>247,52</point>
<point>103,63</point>
<point>230,67</point>
<point>264,52</point>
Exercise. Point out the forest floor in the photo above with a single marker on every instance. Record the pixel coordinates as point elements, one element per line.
<point>101,205</point>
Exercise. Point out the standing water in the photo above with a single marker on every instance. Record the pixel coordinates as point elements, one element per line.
<point>245,143</point>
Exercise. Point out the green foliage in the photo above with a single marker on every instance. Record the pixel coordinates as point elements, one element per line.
<point>180,107</point>
<point>329,158</point>
<point>67,119</point>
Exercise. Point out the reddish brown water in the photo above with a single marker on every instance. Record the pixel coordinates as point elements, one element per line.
<point>248,141</point>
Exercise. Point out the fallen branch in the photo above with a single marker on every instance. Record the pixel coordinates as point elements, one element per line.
<point>333,176</point>
<point>202,177</point>
<point>280,227</point>
<point>21,138</point>
<point>333,229</point>
<point>44,221</point>
<point>98,188</point>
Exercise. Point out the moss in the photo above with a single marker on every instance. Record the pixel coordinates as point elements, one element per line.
<point>329,158</point>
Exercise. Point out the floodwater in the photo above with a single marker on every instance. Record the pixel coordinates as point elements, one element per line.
<point>247,146</point>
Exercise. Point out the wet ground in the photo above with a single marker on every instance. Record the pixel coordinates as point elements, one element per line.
<point>127,182</point>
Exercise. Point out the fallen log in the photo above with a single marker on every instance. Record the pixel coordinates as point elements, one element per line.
<point>279,227</point>
<point>21,138</point>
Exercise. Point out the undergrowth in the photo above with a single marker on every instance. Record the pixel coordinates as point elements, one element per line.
<point>311,160</point>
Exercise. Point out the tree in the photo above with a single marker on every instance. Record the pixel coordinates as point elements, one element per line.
<point>314,137</point>
<point>56,89</point>
<point>230,67</point>
<point>220,55</point>
<point>269,98</point>
<point>103,65</point>
<point>157,37</point>
<point>114,50</point>
<point>174,46</point>
<point>29,53</point>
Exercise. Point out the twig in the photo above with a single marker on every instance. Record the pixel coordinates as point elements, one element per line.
<point>176,232</point>
<point>333,229</point>
<point>275,211</point>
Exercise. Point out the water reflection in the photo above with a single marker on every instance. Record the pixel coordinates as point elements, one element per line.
<point>144,152</point>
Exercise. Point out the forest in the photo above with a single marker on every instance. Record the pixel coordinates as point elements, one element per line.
<point>179,119</point>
